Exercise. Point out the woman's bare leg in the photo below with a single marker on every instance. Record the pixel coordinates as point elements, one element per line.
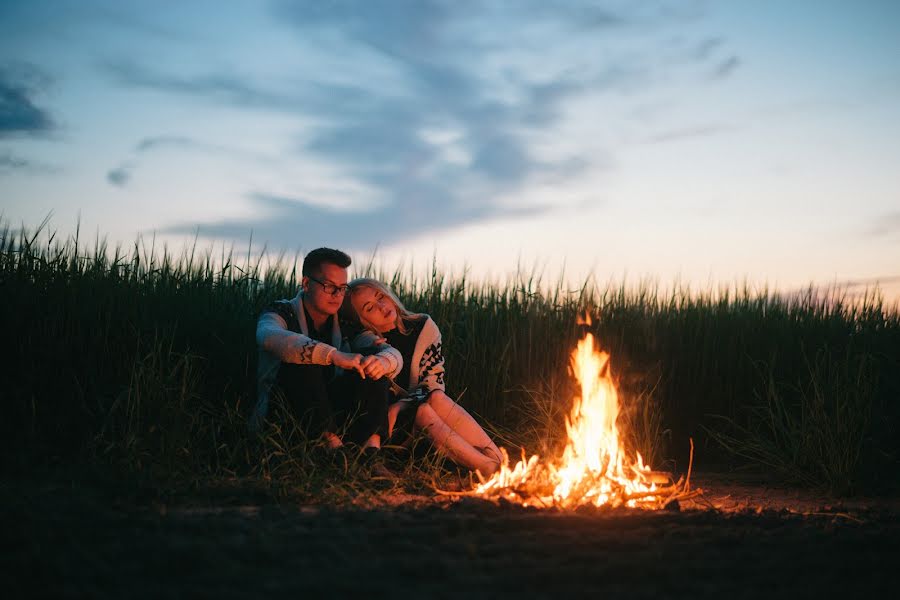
<point>463,423</point>
<point>451,443</point>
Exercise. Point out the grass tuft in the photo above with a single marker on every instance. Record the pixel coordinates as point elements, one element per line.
<point>143,360</point>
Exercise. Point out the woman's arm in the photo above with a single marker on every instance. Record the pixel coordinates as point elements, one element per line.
<point>431,364</point>
<point>372,344</point>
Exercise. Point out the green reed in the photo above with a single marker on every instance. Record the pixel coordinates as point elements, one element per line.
<point>144,359</point>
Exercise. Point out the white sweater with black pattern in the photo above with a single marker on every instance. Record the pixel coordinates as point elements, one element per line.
<point>427,364</point>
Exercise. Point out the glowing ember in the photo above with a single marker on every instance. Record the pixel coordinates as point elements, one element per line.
<point>593,469</point>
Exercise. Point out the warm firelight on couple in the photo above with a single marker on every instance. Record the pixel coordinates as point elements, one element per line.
<point>349,357</point>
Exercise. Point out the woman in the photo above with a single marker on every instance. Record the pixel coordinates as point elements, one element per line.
<point>419,390</point>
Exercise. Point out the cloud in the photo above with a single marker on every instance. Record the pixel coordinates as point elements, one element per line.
<point>707,48</point>
<point>886,224</point>
<point>687,133</point>
<point>725,68</point>
<point>847,290</point>
<point>289,223</point>
<point>869,282</point>
<point>222,87</point>
<point>19,115</point>
<point>10,162</point>
<point>120,176</point>
<point>437,108</point>
<point>165,141</point>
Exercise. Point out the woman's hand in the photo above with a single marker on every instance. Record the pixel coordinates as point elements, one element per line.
<point>374,366</point>
<point>348,361</point>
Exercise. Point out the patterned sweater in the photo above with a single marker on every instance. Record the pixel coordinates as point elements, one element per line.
<point>278,344</point>
<point>427,360</point>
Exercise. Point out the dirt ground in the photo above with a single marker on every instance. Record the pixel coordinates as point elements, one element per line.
<point>743,540</point>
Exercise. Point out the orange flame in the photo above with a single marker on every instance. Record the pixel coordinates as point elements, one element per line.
<point>594,468</point>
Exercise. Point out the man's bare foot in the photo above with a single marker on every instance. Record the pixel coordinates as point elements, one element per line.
<point>332,441</point>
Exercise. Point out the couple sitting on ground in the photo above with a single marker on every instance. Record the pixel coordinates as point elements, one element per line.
<point>349,357</point>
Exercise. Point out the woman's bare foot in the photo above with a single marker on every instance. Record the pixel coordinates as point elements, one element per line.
<point>489,467</point>
<point>492,454</point>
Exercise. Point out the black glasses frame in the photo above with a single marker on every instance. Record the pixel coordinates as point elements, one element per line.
<point>329,288</point>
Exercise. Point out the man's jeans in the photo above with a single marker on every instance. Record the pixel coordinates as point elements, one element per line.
<point>324,402</point>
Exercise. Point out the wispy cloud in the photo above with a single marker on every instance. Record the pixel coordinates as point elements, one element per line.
<point>440,107</point>
<point>687,133</point>
<point>165,141</point>
<point>705,49</point>
<point>19,114</point>
<point>227,88</point>
<point>122,174</point>
<point>846,290</point>
<point>869,282</point>
<point>293,223</point>
<point>885,224</point>
<point>725,68</point>
<point>10,162</point>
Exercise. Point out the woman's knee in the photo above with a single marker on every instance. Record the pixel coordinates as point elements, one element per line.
<point>425,416</point>
<point>440,401</point>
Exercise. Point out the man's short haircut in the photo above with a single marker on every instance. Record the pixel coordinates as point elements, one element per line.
<point>312,262</point>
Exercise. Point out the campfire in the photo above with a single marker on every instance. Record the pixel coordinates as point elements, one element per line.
<point>594,469</point>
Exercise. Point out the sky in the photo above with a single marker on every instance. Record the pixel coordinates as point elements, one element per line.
<point>701,142</point>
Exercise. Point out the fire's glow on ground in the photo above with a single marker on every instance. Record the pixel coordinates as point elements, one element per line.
<point>594,468</point>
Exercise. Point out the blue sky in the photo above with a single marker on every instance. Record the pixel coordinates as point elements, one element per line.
<point>706,142</point>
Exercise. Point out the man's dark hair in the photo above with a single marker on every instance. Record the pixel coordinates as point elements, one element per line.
<point>312,262</point>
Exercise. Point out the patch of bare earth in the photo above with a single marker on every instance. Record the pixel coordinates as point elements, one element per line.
<point>740,540</point>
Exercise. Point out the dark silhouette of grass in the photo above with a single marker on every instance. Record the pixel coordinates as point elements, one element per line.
<point>143,361</point>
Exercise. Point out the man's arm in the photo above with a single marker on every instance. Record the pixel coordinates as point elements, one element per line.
<point>273,336</point>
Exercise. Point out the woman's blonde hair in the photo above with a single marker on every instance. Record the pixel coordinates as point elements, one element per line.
<point>403,315</point>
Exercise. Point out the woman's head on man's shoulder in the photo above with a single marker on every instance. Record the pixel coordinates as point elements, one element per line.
<point>375,306</point>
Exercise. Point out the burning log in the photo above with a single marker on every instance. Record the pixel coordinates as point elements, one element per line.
<point>657,477</point>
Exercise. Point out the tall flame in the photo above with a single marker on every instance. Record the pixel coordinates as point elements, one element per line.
<point>593,468</point>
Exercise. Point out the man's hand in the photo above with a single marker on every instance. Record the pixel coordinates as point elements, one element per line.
<point>374,366</point>
<point>348,361</point>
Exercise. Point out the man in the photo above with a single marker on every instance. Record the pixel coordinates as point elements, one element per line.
<point>305,358</point>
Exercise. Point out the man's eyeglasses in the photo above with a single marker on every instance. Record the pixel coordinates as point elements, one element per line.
<point>330,288</point>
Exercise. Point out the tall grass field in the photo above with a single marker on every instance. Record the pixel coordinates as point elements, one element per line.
<point>142,363</point>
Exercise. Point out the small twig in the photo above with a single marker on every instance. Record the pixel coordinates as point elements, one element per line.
<point>706,501</point>
<point>676,495</point>
<point>687,483</point>
<point>438,490</point>
<point>835,514</point>
<point>658,492</point>
<point>449,493</point>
